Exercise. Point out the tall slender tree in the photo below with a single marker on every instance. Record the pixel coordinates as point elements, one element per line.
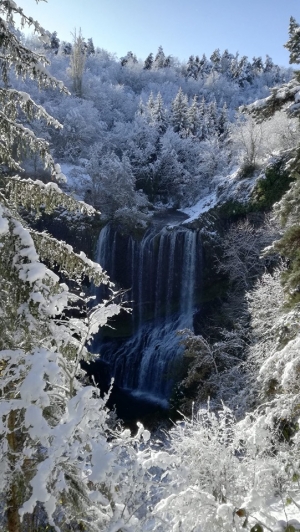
<point>159,114</point>
<point>179,113</point>
<point>193,118</point>
<point>293,44</point>
<point>78,58</point>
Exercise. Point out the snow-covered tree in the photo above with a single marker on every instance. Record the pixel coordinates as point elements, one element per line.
<point>226,60</point>
<point>160,58</point>
<point>129,58</point>
<point>159,114</point>
<point>58,468</point>
<point>90,50</point>
<point>66,48</point>
<point>179,113</point>
<point>78,59</point>
<point>213,369</point>
<point>16,138</point>
<point>192,67</point>
<point>249,139</point>
<point>193,119</point>
<point>223,123</point>
<point>112,180</point>
<point>150,107</point>
<point>82,128</point>
<point>212,118</point>
<point>293,44</point>
<point>204,66</point>
<point>242,246</point>
<point>203,130</point>
<point>54,43</point>
<point>216,60</point>
<point>148,62</point>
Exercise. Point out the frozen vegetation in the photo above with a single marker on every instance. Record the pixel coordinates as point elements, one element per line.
<point>132,138</point>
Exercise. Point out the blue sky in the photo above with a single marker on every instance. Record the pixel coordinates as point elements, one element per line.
<point>182,27</point>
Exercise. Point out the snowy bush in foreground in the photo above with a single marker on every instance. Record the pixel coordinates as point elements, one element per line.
<point>57,448</point>
<point>223,475</point>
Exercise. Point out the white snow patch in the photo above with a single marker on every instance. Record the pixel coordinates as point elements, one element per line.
<point>203,205</point>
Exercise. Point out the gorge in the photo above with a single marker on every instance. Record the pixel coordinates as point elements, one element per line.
<point>162,274</point>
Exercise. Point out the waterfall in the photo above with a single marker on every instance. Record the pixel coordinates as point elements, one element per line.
<point>162,273</point>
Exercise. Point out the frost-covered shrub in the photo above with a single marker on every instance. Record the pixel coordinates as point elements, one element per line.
<point>222,475</point>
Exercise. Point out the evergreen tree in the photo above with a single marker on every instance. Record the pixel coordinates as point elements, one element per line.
<point>191,68</point>
<point>129,58</point>
<point>58,471</point>
<point>160,58</point>
<point>54,43</point>
<point>245,73</point>
<point>257,65</point>
<point>293,44</point>
<point>141,110</point>
<point>179,113</point>
<point>234,70</point>
<point>212,118</point>
<point>66,48</point>
<point>90,47</point>
<point>202,120</point>
<point>150,107</point>
<point>112,180</point>
<point>15,137</point>
<point>204,67</point>
<point>223,122</point>
<point>193,119</point>
<point>216,60</point>
<point>269,65</point>
<point>168,61</point>
<point>197,66</point>
<point>148,62</point>
<point>226,59</point>
<point>159,114</point>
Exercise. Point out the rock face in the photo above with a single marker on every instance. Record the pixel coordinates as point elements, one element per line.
<point>162,273</point>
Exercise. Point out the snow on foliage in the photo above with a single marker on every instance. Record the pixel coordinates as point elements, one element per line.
<point>62,465</point>
<point>65,463</point>
<point>164,131</point>
<point>224,475</point>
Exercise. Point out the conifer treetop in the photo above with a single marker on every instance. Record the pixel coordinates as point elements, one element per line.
<point>14,56</point>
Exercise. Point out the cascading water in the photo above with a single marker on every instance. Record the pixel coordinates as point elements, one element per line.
<point>162,273</point>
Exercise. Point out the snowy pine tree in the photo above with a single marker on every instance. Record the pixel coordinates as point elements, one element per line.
<point>90,47</point>
<point>148,62</point>
<point>159,115</point>
<point>216,60</point>
<point>192,68</point>
<point>293,44</point>
<point>193,119</point>
<point>159,61</point>
<point>179,113</point>
<point>57,467</point>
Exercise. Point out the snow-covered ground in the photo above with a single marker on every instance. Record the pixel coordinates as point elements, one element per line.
<point>203,205</point>
<point>231,187</point>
